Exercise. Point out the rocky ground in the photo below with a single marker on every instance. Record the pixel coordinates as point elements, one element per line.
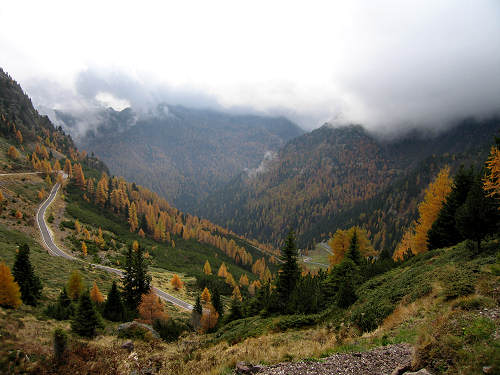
<point>380,361</point>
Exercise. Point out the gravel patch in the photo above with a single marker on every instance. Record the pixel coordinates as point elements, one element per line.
<point>378,361</point>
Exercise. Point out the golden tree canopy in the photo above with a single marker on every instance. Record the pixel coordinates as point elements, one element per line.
<point>428,209</point>
<point>176,282</point>
<point>13,153</point>
<point>341,240</point>
<point>209,318</point>
<point>10,294</point>
<point>222,270</point>
<point>95,294</point>
<point>151,308</point>
<point>244,280</point>
<point>236,293</point>
<point>207,270</point>
<point>205,296</point>
<point>75,285</point>
<point>492,180</point>
<point>84,248</point>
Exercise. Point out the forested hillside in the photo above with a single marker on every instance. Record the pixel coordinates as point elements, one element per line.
<point>183,154</point>
<point>105,214</point>
<point>333,177</point>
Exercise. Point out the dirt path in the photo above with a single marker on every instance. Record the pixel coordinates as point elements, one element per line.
<point>378,361</point>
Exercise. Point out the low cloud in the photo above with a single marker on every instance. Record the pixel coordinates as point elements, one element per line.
<point>269,156</point>
<point>390,65</point>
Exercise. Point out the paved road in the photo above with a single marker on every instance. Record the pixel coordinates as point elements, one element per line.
<point>56,251</point>
<point>308,260</point>
<point>19,173</point>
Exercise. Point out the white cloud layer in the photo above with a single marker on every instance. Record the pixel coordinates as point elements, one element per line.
<point>381,63</point>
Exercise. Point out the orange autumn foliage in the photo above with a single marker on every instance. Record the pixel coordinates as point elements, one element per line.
<point>491,183</point>
<point>96,295</point>
<point>209,318</point>
<point>341,241</point>
<point>435,195</point>
<point>206,296</point>
<point>10,294</point>
<point>151,308</point>
<point>176,282</point>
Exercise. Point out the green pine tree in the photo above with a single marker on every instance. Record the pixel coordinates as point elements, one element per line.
<point>86,319</point>
<point>113,308</point>
<point>29,283</point>
<point>136,280</point>
<point>353,251</point>
<point>235,310</point>
<point>288,276</point>
<point>60,345</point>
<point>478,216</point>
<point>340,285</point>
<point>196,313</point>
<point>444,231</point>
<point>217,302</point>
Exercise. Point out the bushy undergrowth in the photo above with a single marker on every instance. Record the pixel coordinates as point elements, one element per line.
<point>456,269</point>
<point>171,329</point>
<point>459,343</point>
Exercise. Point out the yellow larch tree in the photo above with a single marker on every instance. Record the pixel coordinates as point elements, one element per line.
<point>415,239</point>
<point>207,270</point>
<point>96,295</point>
<point>151,308</point>
<point>79,176</point>
<point>19,137</point>
<point>209,318</point>
<point>78,227</point>
<point>84,248</point>
<point>341,240</point>
<point>41,194</point>
<point>132,217</point>
<point>491,182</point>
<point>13,153</point>
<point>428,210</point>
<point>244,280</point>
<point>236,293</point>
<point>75,285</point>
<point>67,168</point>
<point>176,282</point>
<point>222,270</point>
<point>57,166</point>
<point>205,296</point>
<point>10,293</point>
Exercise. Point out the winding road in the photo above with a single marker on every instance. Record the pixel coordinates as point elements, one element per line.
<point>56,251</point>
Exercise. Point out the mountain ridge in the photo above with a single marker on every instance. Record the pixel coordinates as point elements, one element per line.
<point>193,150</point>
<point>331,170</point>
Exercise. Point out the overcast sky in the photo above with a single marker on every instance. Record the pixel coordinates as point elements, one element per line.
<point>379,63</point>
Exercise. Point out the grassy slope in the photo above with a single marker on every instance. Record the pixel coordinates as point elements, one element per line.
<point>435,301</point>
<point>187,256</point>
<point>451,334</point>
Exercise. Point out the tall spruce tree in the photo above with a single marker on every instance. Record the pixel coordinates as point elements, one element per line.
<point>288,276</point>
<point>86,319</point>
<point>444,231</point>
<point>63,308</point>
<point>136,280</point>
<point>353,251</point>
<point>339,287</point>
<point>478,216</point>
<point>197,313</point>
<point>113,308</point>
<point>29,283</point>
<point>217,302</point>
